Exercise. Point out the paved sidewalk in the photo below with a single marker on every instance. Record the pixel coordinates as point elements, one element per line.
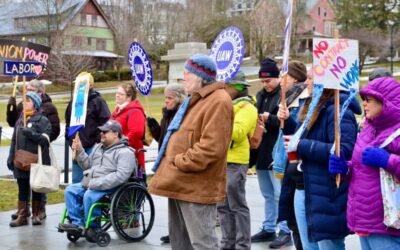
<point>46,236</point>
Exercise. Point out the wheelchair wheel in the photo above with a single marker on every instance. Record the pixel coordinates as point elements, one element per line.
<point>103,239</point>
<point>132,212</point>
<point>73,237</point>
<point>105,213</point>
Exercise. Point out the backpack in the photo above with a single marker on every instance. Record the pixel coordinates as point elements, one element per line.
<point>147,137</point>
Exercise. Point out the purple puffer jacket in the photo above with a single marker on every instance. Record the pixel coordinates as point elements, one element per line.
<point>364,206</point>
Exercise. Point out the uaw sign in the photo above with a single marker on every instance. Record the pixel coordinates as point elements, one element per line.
<point>227,52</point>
<point>22,51</point>
<point>335,63</point>
<point>140,67</point>
<point>22,68</point>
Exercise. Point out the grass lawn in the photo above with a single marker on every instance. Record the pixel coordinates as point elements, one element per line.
<point>10,198</point>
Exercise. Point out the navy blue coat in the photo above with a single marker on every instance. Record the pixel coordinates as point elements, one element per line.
<point>325,204</point>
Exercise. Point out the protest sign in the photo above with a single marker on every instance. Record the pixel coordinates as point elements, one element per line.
<point>140,66</point>
<point>22,68</point>
<point>79,103</point>
<point>336,63</point>
<point>227,52</point>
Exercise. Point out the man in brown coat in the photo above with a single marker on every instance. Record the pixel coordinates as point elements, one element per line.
<point>192,170</point>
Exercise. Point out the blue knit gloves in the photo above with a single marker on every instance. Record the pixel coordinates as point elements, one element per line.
<point>375,157</point>
<point>338,165</point>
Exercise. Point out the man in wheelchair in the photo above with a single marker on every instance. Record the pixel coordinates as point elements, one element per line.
<point>109,165</point>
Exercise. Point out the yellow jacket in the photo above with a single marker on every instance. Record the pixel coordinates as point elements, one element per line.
<point>243,128</point>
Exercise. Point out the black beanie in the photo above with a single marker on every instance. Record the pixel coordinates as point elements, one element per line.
<point>268,69</point>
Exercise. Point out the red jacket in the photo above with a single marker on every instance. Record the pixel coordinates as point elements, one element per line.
<point>133,121</point>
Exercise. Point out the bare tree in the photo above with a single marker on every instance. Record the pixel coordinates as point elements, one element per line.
<point>266,23</point>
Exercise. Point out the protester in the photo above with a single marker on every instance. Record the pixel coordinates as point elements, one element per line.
<point>36,133</point>
<point>130,114</point>
<point>191,166</point>
<point>365,207</point>
<point>319,206</point>
<point>174,95</point>
<point>110,164</point>
<point>267,106</point>
<point>49,110</point>
<point>234,212</point>
<point>96,115</point>
<point>291,117</point>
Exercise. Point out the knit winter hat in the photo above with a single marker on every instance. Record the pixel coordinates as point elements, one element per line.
<point>240,78</point>
<point>298,71</point>
<point>268,69</point>
<point>203,66</point>
<point>379,72</point>
<point>35,97</point>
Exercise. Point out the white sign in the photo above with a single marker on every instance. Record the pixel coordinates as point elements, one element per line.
<point>335,63</point>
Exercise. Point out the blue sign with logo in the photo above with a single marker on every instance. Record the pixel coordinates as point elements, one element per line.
<point>228,51</point>
<point>22,68</point>
<point>140,66</point>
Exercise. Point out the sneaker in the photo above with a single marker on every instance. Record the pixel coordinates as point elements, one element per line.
<point>283,239</point>
<point>263,236</point>
<point>165,239</point>
<point>68,227</point>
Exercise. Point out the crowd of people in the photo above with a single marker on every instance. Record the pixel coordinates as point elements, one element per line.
<point>204,144</point>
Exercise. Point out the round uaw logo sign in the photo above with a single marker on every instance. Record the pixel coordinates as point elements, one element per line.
<point>140,66</point>
<point>227,52</point>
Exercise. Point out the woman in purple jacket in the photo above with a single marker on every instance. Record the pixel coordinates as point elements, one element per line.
<point>381,102</point>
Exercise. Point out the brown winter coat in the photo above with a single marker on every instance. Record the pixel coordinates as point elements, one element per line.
<point>194,165</point>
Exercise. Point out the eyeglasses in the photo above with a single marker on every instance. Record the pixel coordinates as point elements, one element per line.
<point>120,93</point>
<point>366,98</point>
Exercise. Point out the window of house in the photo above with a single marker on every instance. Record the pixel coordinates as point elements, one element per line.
<point>89,41</point>
<point>94,20</point>
<point>83,19</point>
<point>319,11</point>
<point>20,23</point>
<point>100,44</point>
<point>76,41</point>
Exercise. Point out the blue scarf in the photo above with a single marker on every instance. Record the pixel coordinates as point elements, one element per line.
<point>174,126</point>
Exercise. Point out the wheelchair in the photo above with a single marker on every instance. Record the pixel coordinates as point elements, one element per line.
<point>129,210</point>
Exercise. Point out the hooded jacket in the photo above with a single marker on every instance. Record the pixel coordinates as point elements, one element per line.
<point>365,206</point>
<point>133,122</point>
<point>193,168</point>
<point>107,167</point>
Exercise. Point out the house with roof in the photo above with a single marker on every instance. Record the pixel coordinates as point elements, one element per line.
<point>75,27</point>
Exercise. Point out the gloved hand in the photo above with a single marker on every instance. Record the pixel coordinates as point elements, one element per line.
<point>375,157</point>
<point>27,132</point>
<point>338,165</point>
<point>12,101</point>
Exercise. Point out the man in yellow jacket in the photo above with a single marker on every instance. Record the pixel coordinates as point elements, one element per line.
<point>234,213</point>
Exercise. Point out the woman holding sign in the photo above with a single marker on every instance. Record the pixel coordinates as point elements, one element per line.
<point>319,205</point>
<point>368,213</point>
<point>24,143</point>
<point>130,114</point>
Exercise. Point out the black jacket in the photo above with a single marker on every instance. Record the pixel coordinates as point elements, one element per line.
<point>267,102</point>
<point>97,114</point>
<point>39,124</point>
<point>48,109</point>
<point>168,115</point>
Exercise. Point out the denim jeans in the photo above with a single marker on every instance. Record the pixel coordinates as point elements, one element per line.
<point>270,187</point>
<point>77,172</point>
<point>300,213</point>
<point>379,242</point>
<point>77,196</point>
